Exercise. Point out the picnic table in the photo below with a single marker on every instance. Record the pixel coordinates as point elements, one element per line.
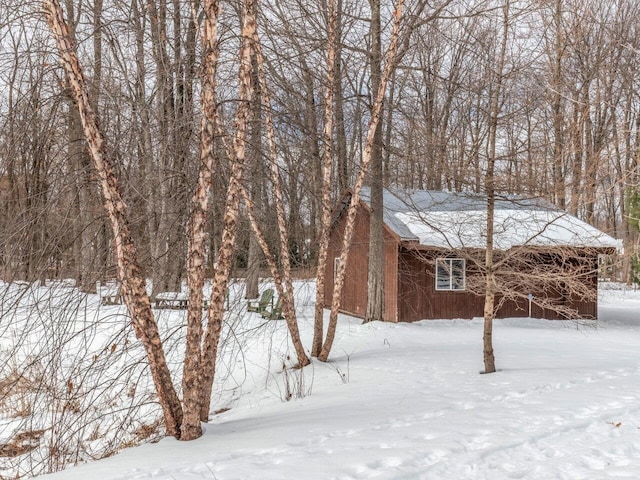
<point>173,300</point>
<point>180,301</point>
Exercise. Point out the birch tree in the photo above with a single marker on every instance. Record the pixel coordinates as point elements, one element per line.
<point>327,169</point>
<point>197,226</point>
<point>376,112</point>
<point>129,271</point>
<point>200,363</point>
<point>231,212</point>
<point>281,275</point>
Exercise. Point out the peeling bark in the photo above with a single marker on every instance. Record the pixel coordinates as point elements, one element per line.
<point>327,168</point>
<point>286,293</point>
<point>376,113</point>
<point>129,272</point>
<point>197,228</point>
<point>231,213</point>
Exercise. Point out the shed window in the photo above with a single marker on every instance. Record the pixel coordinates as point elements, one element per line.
<point>450,274</point>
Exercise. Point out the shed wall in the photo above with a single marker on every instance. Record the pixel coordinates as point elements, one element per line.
<point>354,292</point>
<point>418,298</point>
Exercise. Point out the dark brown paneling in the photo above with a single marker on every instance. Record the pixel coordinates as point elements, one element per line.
<point>354,293</point>
<point>418,299</point>
<point>391,280</point>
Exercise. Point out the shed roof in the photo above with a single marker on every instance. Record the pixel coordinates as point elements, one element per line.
<point>458,220</point>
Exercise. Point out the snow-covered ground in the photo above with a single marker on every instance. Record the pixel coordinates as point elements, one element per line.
<point>406,401</point>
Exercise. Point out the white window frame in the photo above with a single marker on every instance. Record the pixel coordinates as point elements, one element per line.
<point>453,286</point>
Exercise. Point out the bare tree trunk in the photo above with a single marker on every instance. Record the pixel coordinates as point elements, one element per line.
<point>388,132</point>
<point>101,236</point>
<point>158,161</point>
<point>341,134</point>
<point>376,113</point>
<point>133,283</point>
<point>254,257</point>
<point>165,251</point>
<point>182,131</point>
<point>286,293</point>
<point>490,289</point>
<point>76,152</point>
<point>254,261</point>
<point>489,296</point>
<point>147,167</point>
<point>327,167</point>
<point>578,148</point>
<point>588,188</point>
<point>312,147</point>
<point>197,227</point>
<point>84,223</point>
<point>280,281</point>
<point>230,222</point>
<point>557,111</point>
<point>375,277</point>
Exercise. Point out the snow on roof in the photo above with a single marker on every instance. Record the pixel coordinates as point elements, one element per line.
<point>458,220</point>
<point>392,205</point>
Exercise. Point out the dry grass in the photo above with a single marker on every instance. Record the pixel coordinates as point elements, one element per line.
<point>21,443</point>
<point>15,390</point>
<point>145,432</point>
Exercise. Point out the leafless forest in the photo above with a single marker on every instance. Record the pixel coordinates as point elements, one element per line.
<point>567,128</point>
<point>178,141</point>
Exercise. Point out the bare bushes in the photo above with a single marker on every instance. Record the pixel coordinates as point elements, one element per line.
<point>73,382</point>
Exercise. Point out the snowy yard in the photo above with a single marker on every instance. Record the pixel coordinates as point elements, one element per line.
<point>406,401</point>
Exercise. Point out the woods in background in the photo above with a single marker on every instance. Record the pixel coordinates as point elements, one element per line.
<point>567,128</point>
<point>186,141</point>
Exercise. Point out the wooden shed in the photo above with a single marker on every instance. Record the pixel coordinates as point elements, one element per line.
<point>434,257</point>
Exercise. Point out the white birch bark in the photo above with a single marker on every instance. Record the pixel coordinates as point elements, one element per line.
<point>376,112</point>
<point>129,271</point>
<point>327,168</point>
<point>231,213</point>
<point>197,227</point>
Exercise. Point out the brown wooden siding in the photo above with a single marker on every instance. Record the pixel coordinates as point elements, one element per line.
<point>354,293</point>
<point>418,299</point>
<point>391,248</point>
